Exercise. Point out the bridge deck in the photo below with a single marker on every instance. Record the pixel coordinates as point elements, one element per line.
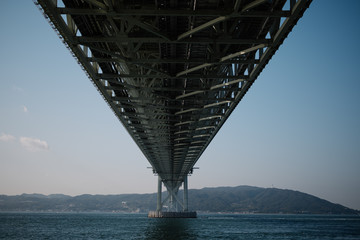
<point>173,70</point>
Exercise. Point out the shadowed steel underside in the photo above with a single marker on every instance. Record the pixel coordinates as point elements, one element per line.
<point>173,70</point>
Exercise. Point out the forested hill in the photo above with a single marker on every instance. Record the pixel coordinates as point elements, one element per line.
<point>262,200</point>
<point>242,199</point>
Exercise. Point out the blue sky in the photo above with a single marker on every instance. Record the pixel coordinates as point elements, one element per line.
<point>297,128</point>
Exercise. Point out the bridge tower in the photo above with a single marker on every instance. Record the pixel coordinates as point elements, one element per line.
<point>176,207</point>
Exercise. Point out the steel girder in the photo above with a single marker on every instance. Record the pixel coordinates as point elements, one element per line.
<point>173,71</point>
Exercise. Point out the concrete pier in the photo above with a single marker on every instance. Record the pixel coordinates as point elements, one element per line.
<point>159,214</point>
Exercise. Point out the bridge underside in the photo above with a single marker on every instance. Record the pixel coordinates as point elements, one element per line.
<point>173,70</point>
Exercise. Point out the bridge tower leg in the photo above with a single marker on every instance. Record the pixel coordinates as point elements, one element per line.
<point>186,202</point>
<point>174,202</point>
<point>159,203</point>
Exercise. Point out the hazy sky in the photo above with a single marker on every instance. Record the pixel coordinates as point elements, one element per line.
<point>297,128</point>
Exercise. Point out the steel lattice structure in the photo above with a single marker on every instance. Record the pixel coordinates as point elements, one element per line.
<point>173,70</point>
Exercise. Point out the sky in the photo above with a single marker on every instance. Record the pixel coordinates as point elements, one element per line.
<point>297,128</point>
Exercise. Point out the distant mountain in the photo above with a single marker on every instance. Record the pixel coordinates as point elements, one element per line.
<point>241,199</point>
<point>262,200</point>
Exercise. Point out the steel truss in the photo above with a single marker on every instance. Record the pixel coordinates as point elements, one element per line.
<point>173,70</point>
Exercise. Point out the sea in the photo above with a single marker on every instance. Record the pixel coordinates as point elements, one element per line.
<point>206,226</point>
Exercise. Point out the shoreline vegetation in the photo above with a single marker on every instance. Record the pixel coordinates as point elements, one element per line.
<point>222,200</point>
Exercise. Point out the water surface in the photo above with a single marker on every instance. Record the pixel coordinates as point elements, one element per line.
<point>138,226</point>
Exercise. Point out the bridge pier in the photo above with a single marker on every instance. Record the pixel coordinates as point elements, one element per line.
<point>186,202</point>
<point>156,214</point>
<point>174,202</point>
<point>159,203</point>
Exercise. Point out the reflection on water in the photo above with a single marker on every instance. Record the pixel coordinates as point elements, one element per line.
<point>170,228</point>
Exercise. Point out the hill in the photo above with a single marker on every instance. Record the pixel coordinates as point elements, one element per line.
<point>262,200</point>
<point>242,199</point>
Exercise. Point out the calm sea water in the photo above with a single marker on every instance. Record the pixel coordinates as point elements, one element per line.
<point>138,226</point>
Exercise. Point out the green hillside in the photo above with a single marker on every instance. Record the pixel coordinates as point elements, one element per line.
<point>241,199</point>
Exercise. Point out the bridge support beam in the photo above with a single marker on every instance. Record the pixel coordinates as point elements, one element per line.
<point>159,203</point>
<point>173,202</point>
<point>186,202</point>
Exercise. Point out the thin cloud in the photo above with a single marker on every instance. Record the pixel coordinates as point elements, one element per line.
<point>7,138</point>
<point>18,89</point>
<point>25,109</point>
<point>34,144</point>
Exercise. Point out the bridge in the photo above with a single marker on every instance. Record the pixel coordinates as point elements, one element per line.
<point>173,71</point>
